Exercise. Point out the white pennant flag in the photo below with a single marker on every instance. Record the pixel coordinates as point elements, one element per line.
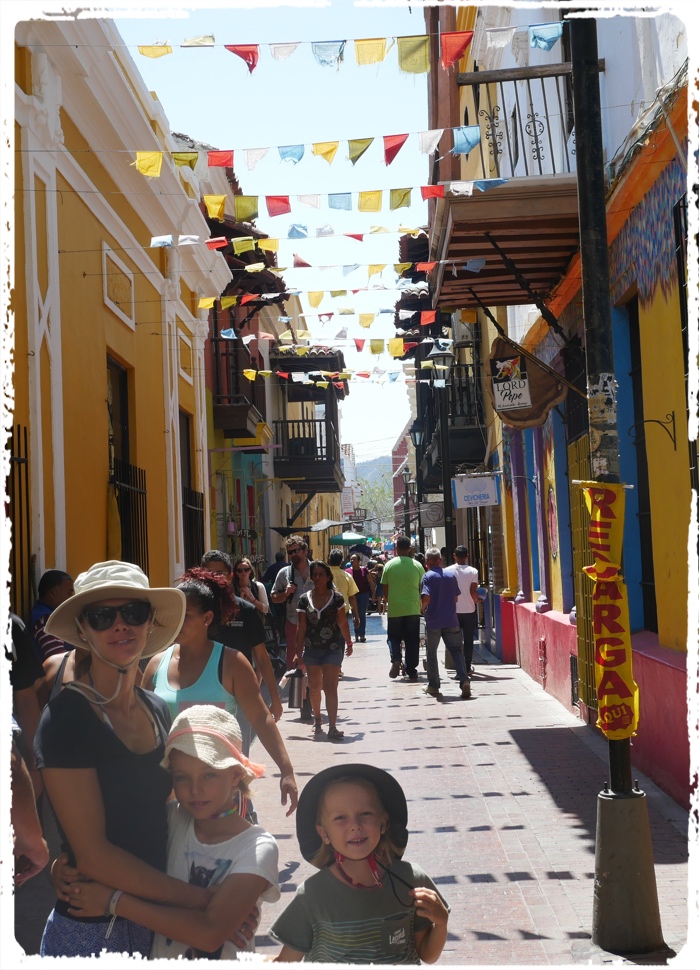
<point>187,240</point>
<point>428,140</point>
<point>499,37</point>
<point>299,378</point>
<point>461,188</point>
<point>253,156</point>
<point>281,52</point>
<point>159,242</point>
<point>247,339</point>
<point>206,40</point>
<point>311,200</point>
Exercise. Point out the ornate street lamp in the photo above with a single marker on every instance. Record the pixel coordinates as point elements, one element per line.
<point>406,475</point>
<point>417,433</point>
<point>443,360</point>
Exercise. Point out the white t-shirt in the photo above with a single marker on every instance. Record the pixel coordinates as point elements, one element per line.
<point>198,863</point>
<point>465,575</point>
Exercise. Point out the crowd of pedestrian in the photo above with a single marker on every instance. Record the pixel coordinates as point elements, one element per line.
<point>136,708</point>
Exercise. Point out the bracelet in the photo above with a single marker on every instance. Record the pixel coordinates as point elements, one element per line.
<point>114,900</point>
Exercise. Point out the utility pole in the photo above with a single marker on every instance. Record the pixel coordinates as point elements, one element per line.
<point>625,908</point>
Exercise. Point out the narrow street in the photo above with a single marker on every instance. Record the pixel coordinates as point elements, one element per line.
<point>502,799</point>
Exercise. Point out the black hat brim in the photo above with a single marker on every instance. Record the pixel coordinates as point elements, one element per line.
<point>389,790</point>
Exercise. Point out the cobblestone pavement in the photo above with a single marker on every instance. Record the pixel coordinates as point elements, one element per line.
<point>502,801</point>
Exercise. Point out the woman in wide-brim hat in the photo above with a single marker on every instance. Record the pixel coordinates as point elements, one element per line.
<point>99,745</point>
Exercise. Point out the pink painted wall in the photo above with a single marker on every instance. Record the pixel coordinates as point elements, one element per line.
<point>661,748</point>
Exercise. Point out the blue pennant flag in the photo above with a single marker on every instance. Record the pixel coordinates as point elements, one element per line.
<point>328,53</point>
<point>465,139</point>
<point>545,36</point>
<point>297,231</point>
<point>291,153</point>
<point>350,269</point>
<point>483,185</point>
<point>229,334</point>
<point>340,200</point>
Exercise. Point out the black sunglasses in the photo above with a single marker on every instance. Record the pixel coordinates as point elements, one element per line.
<point>101,618</point>
<point>292,551</point>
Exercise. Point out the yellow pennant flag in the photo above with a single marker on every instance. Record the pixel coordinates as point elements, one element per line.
<point>155,50</point>
<point>255,267</point>
<point>245,207</point>
<point>242,244</point>
<point>323,384</point>
<point>278,269</point>
<point>326,149</point>
<point>375,268</point>
<point>335,293</point>
<point>227,301</point>
<point>395,347</point>
<point>427,365</point>
<point>357,147</point>
<point>409,231</point>
<point>149,163</point>
<point>366,320</point>
<point>378,229</point>
<point>271,245</point>
<point>402,267</point>
<point>399,198</point>
<point>249,373</point>
<point>370,201</point>
<point>345,375</point>
<point>376,346</point>
<point>346,311</point>
<point>315,297</point>
<point>206,302</point>
<point>287,336</point>
<point>414,55</point>
<point>265,373</point>
<point>304,334</point>
<point>185,158</point>
<point>370,50</point>
<point>303,350</point>
<point>216,205</point>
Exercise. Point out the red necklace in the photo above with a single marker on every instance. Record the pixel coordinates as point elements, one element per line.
<point>371,862</point>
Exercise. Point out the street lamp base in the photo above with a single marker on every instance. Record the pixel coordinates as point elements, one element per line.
<point>625,900</point>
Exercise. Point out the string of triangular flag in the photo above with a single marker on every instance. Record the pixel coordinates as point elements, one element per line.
<point>413,51</point>
<point>464,139</point>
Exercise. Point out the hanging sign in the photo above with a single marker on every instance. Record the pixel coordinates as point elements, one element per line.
<point>511,388</point>
<point>617,693</point>
<point>470,491</point>
<point>432,515</point>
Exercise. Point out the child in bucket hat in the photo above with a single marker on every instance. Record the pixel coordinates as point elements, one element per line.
<point>210,844</point>
<point>365,905</point>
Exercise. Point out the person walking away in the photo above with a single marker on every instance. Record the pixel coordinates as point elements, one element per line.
<point>467,604</point>
<point>345,584</point>
<point>439,594</point>
<point>365,905</point>
<point>401,579</point>
<point>322,633</point>
<point>361,577</point>
<point>376,572</point>
<point>55,586</point>
<point>277,610</point>
<point>290,583</point>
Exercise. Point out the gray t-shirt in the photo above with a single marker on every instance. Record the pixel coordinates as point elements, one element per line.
<point>332,922</point>
<point>291,575</point>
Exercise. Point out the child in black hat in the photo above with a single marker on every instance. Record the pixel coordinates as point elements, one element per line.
<point>365,905</point>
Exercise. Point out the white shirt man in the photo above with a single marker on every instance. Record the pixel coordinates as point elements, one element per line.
<point>467,613</point>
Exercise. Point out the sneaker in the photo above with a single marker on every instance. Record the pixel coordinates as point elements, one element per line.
<point>395,669</point>
<point>466,690</point>
<point>413,678</point>
<point>433,691</point>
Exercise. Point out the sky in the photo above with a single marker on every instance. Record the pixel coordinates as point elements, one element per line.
<point>210,95</point>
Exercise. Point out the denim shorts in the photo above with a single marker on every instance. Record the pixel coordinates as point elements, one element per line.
<point>314,657</point>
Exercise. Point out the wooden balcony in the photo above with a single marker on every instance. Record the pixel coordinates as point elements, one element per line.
<point>237,418</point>
<point>308,456</point>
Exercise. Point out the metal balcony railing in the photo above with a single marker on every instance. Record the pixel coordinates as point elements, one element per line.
<point>130,484</point>
<point>312,439</point>
<point>526,121</point>
<point>193,525</point>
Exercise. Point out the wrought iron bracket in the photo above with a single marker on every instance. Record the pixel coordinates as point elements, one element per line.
<point>671,432</point>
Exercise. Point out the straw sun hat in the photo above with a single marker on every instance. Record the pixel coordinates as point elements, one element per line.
<point>211,735</point>
<point>119,580</point>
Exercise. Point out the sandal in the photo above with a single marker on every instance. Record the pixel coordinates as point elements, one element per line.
<point>335,735</point>
<point>318,725</point>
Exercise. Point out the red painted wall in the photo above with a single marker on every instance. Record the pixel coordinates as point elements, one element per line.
<point>661,748</point>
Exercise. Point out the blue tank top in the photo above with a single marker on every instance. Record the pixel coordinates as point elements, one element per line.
<point>207,690</point>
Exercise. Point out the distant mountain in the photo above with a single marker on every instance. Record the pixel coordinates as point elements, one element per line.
<point>374,469</point>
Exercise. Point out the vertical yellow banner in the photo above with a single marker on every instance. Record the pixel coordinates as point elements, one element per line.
<point>616,690</point>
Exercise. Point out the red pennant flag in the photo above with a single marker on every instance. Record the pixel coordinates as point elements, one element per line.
<point>453,45</point>
<point>248,52</point>
<point>361,289</point>
<point>220,159</point>
<point>355,235</point>
<point>339,385</point>
<point>325,317</point>
<point>359,343</point>
<point>432,191</point>
<point>299,263</point>
<point>336,373</point>
<point>283,373</point>
<point>218,243</point>
<point>363,373</point>
<point>426,317</point>
<point>392,146</point>
<point>248,297</point>
<point>410,346</point>
<point>277,205</point>
<point>424,267</point>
